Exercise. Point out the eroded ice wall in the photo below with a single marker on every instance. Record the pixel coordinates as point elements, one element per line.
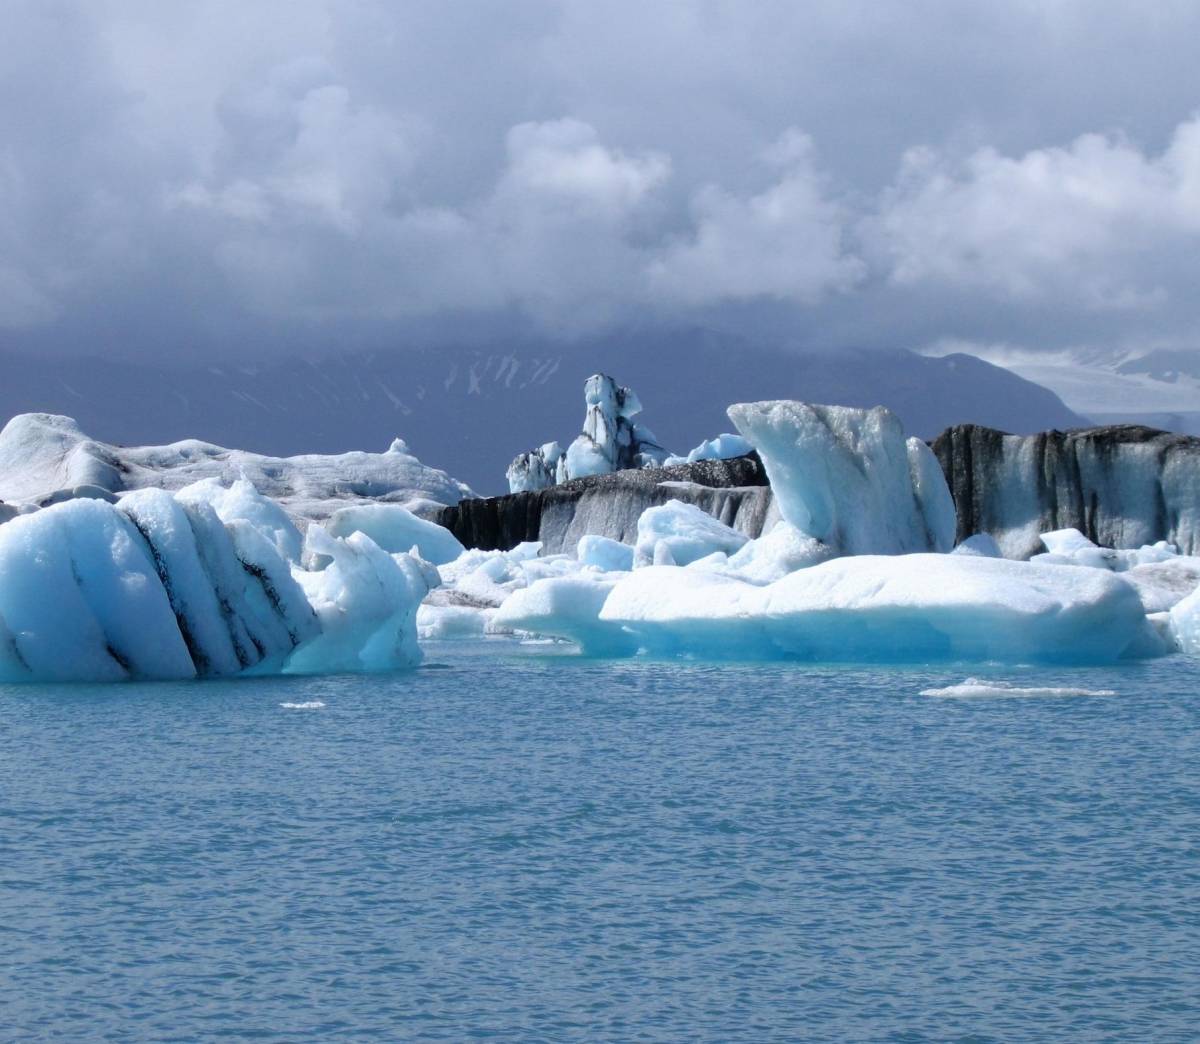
<point>1121,486</point>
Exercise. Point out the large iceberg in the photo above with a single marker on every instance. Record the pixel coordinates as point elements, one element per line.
<point>1122,486</point>
<point>886,608</point>
<point>46,458</point>
<point>849,478</point>
<point>161,586</point>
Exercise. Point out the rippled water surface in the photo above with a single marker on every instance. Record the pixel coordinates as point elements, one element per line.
<point>515,843</point>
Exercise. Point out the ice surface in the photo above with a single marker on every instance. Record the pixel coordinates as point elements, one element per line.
<point>603,553</point>
<point>1184,624</point>
<point>445,622</point>
<point>366,601</point>
<point>978,688</point>
<point>81,600</point>
<point>396,529</point>
<point>981,545</point>
<point>849,478</point>
<point>886,608</point>
<point>684,533</point>
<point>610,441</point>
<point>723,447</point>
<point>781,551</point>
<point>43,453</point>
<point>568,607</point>
<point>161,587</point>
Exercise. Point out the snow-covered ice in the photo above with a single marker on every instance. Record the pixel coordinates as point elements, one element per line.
<point>43,456</point>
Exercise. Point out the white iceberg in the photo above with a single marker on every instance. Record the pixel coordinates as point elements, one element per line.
<point>396,529</point>
<point>683,533</point>
<point>44,457</point>
<point>568,607</point>
<point>724,447</point>
<point>849,478</point>
<point>886,608</point>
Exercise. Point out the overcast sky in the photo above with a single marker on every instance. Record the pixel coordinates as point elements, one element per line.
<point>232,176</point>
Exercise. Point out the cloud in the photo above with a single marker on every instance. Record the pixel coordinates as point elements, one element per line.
<point>1098,222</point>
<point>837,172</point>
<point>786,242</point>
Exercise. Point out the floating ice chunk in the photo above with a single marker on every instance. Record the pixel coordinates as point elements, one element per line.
<point>781,551</point>
<point>396,529</point>
<point>567,607</point>
<point>306,705</point>
<point>885,608</point>
<point>686,532</point>
<point>446,622</point>
<point>241,501</point>
<point>981,545</point>
<point>1185,624</point>
<point>366,601</point>
<point>611,556</point>
<point>1162,585</point>
<point>848,478</point>
<point>981,689</point>
<point>81,600</point>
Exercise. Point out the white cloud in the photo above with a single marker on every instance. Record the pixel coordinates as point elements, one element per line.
<point>786,242</point>
<point>1098,221</point>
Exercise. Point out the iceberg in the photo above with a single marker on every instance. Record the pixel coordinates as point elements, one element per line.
<point>161,587</point>
<point>1122,486</point>
<point>610,441</point>
<point>397,529</point>
<point>684,533</point>
<point>569,608</point>
<point>605,554</point>
<point>849,478</point>
<point>46,458</point>
<point>875,608</point>
<point>724,447</point>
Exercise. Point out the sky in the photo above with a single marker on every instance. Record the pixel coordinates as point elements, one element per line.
<point>222,178</point>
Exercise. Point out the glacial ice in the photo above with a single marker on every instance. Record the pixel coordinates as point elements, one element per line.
<point>605,554</point>
<point>397,529</point>
<point>849,478</point>
<point>610,441</point>
<point>886,608</point>
<point>723,447</point>
<point>162,587</point>
<point>684,533</point>
<point>570,608</point>
<point>1184,624</point>
<point>43,455</point>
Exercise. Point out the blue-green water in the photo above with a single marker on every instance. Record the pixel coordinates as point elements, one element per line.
<point>514,843</point>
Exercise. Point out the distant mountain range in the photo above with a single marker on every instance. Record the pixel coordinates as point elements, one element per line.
<point>470,411</point>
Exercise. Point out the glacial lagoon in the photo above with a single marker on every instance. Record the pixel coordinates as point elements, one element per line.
<point>516,842</point>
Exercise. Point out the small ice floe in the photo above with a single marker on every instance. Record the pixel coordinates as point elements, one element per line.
<point>309,705</point>
<point>976,687</point>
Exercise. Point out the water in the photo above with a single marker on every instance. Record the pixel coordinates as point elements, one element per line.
<point>517,844</point>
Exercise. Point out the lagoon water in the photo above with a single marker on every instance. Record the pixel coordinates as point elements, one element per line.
<point>517,843</point>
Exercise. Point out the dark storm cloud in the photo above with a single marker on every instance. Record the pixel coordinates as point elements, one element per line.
<point>209,176</point>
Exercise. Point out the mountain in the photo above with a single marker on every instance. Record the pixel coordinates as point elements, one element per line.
<point>470,411</point>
